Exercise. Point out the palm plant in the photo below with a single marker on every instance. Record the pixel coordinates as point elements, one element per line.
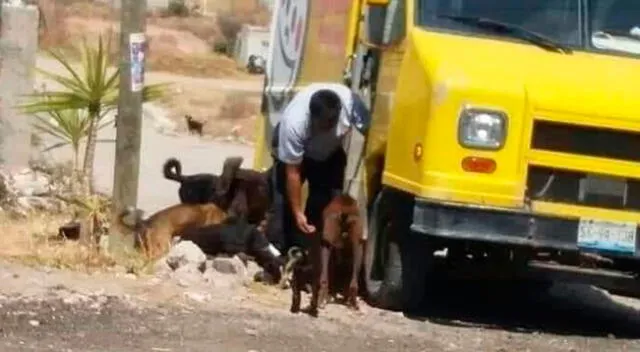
<point>92,89</point>
<point>69,127</point>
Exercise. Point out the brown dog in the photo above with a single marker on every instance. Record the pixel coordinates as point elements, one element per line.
<point>342,236</point>
<point>154,235</point>
<point>316,265</point>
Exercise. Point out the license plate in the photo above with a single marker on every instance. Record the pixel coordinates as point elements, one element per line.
<point>607,236</point>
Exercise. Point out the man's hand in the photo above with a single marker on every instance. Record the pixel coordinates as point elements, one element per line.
<point>294,187</point>
<point>303,224</point>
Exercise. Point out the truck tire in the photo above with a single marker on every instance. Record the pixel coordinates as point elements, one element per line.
<point>390,248</point>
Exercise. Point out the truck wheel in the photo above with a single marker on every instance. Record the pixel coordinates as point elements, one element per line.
<point>391,247</point>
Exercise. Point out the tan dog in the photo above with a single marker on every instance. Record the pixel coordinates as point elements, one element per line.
<point>342,238</point>
<point>154,235</point>
<point>334,254</point>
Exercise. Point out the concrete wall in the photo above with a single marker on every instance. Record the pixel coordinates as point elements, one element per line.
<point>18,48</point>
<point>251,40</point>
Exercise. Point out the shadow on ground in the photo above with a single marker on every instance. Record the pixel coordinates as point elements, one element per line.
<point>562,310</point>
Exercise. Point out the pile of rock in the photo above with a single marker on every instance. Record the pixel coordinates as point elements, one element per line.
<point>33,188</point>
<point>189,266</point>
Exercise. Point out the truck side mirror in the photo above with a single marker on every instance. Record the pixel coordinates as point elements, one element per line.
<point>377,2</point>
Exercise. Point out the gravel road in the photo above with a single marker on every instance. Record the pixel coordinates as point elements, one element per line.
<point>38,312</point>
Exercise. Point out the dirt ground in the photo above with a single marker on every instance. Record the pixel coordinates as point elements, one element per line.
<point>51,310</point>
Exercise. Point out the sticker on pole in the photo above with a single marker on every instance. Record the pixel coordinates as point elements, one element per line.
<point>136,51</point>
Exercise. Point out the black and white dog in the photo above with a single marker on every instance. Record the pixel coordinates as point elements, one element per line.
<point>237,237</point>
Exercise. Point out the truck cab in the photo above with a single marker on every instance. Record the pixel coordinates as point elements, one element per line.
<point>505,136</point>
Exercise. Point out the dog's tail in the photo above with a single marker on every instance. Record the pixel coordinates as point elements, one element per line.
<point>137,225</point>
<point>294,255</point>
<point>229,169</point>
<point>172,170</point>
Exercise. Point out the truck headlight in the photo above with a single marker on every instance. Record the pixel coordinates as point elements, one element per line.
<point>482,129</point>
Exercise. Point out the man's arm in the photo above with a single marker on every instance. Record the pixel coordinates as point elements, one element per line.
<point>294,187</point>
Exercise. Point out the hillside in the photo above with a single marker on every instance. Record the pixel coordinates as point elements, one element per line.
<point>179,42</point>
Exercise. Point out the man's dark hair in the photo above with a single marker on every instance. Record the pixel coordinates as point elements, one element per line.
<point>324,104</point>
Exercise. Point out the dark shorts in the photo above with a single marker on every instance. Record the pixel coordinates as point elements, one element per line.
<point>325,179</point>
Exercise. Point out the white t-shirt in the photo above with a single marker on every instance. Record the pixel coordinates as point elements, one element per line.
<point>294,139</point>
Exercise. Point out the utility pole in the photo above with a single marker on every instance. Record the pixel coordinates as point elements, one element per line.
<point>129,117</point>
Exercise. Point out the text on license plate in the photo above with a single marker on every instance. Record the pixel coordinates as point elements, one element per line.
<point>607,236</point>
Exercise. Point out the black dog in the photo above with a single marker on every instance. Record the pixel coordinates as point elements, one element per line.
<point>236,238</point>
<point>193,126</point>
<point>305,270</point>
<point>242,193</point>
<point>195,188</point>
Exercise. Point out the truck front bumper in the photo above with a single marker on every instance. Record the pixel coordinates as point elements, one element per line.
<point>511,228</point>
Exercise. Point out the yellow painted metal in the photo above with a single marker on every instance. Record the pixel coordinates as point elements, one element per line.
<point>353,31</point>
<point>260,160</point>
<point>584,163</point>
<point>442,73</point>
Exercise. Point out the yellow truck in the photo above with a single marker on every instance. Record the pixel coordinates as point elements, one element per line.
<point>505,136</point>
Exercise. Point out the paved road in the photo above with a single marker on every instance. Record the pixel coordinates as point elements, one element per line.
<point>118,327</point>
<point>481,321</point>
<point>252,85</point>
<point>155,192</point>
<point>196,155</point>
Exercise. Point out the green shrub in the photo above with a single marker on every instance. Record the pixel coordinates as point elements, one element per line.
<point>221,47</point>
<point>177,8</point>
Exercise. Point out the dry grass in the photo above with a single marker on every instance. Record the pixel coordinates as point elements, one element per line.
<point>238,106</point>
<point>34,241</point>
<point>197,65</point>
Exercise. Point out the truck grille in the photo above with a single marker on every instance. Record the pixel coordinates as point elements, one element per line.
<point>586,141</point>
<point>579,188</point>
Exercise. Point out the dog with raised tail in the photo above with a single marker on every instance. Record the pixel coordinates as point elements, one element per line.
<point>243,193</point>
<point>195,188</point>
<point>154,235</point>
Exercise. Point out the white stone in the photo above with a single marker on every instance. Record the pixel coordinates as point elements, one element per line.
<point>233,265</point>
<point>186,253</point>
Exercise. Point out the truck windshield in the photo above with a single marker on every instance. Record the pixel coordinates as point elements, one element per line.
<point>608,25</point>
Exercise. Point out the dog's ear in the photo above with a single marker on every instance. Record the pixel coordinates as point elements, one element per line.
<point>229,170</point>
